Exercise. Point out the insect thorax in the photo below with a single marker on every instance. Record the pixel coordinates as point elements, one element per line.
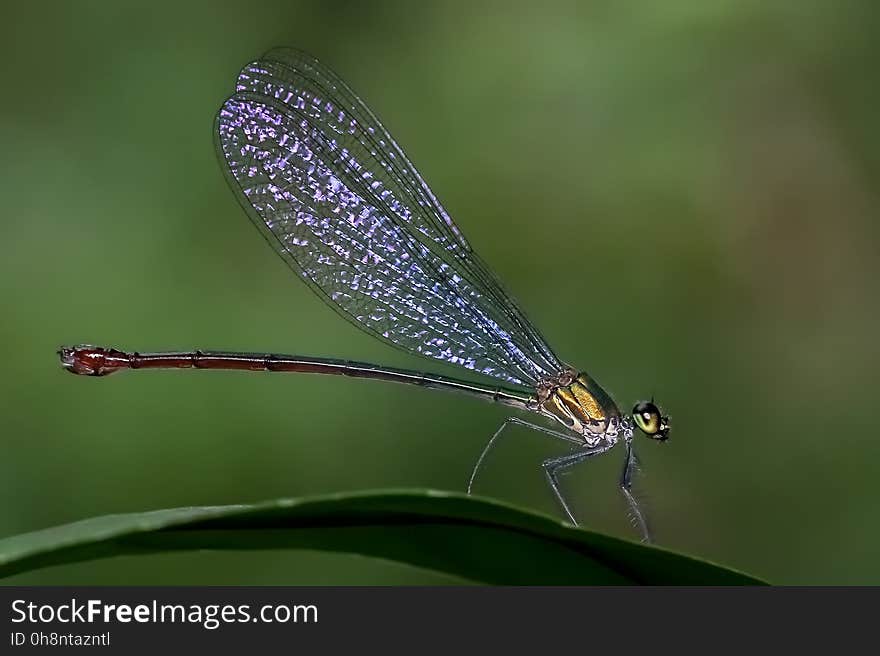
<point>578,403</point>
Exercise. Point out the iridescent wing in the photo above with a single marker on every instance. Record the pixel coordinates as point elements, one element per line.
<point>338,199</point>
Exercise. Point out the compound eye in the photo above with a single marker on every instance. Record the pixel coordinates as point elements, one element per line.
<point>647,417</point>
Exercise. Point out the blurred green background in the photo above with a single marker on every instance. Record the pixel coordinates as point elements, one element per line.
<point>682,195</point>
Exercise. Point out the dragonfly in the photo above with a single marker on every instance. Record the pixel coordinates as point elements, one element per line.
<point>337,198</point>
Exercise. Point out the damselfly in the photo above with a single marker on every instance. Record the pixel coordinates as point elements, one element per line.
<point>338,199</point>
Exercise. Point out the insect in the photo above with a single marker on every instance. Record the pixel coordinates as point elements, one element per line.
<point>337,198</point>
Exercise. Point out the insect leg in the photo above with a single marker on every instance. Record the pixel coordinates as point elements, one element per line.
<point>554,466</point>
<point>629,466</point>
<point>568,437</point>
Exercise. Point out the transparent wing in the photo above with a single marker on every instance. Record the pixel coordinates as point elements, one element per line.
<point>338,199</point>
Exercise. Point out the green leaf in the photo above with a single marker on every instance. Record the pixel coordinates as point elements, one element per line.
<point>473,538</point>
